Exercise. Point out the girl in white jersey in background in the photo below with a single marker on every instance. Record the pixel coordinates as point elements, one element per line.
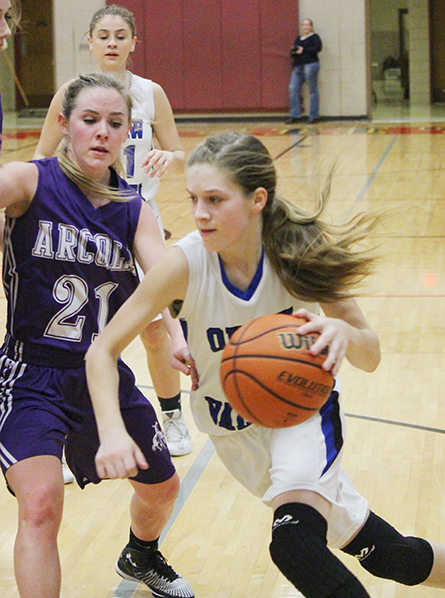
<point>255,254</point>
<point>112,38</point>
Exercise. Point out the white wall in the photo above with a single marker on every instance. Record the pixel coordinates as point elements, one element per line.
<point>70,37</point>
<point>345,64</point>
<point>344,69</point>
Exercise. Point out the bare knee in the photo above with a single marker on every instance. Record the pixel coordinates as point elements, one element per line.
<point>155,337</point>
<point>171,490</point>
<point>41,511</point>
<point>38,486</point>
<point>164,493</point>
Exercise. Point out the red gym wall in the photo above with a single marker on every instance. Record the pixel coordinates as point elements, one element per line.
<point>217,55</point>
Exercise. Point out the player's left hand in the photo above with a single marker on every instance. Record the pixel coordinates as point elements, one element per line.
<point>157,161</point>
<point>182,360</point>
<point>333,336</point>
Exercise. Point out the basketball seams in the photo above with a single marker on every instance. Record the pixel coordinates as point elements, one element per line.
<point>241,341</point>
<point>236,357</point>
<point>275,381</point>
<point>264,387</point>
<point>242,331</point>
<point>252,417</point>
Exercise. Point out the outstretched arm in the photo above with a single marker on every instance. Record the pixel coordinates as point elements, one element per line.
<point>18,184</point>
<point>167,280</point>
<point>149,247</point>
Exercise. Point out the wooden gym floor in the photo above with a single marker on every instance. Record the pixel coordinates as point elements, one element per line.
<point>218,535</point>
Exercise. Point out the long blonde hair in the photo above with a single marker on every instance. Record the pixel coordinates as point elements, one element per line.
<point>69,168</point>
<point>315,260</point>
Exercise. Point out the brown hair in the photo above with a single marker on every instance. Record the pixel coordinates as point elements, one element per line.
<point>115,11</point>
<point>314,260</point>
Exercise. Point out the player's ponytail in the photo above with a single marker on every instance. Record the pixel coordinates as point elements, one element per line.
<point>315,261</point>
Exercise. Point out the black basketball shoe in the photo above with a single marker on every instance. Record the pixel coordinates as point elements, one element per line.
<point>152,569</point>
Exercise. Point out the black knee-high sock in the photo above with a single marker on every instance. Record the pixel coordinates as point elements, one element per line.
<point>385,552</point>
<point>299,549</point>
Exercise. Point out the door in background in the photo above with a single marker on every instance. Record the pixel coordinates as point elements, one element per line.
<point>34,60</point>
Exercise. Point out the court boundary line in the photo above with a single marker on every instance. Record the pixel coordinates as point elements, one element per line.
<point>375,172</point>
<point>296,144</point>
<point>395,423</point>
<point>126,589</point>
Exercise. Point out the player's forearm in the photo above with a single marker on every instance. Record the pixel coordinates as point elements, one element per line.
<point>363,350</point>
<point>178,165</point>
<point>103,385</point>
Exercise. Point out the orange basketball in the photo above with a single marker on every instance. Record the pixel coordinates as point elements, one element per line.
<point>269,376</point>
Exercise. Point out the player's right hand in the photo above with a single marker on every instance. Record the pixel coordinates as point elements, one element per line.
<point>119,456</point>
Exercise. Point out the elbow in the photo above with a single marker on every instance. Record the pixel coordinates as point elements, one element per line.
<point>90,355</point>
<point>371,366</point>
<point>96,353</point>
<point>368,357</point>
<point>373,360</point>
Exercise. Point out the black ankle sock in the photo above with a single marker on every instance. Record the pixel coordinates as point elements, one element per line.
<point>149,545</point>
<point>170,404</point>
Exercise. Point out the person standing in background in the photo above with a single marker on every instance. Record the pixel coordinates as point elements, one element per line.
<point>112,39</point>
<point>306,66</point>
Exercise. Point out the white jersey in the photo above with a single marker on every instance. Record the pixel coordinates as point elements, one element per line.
<point>140,138</point>
<point>266,461</point>
<point>139,142</point>
<point>212,310</point>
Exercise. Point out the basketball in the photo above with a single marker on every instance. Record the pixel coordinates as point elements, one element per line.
<point>269,376</point>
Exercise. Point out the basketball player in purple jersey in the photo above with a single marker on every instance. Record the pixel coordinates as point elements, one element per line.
<point>73,231</point>
<point>112,40</point>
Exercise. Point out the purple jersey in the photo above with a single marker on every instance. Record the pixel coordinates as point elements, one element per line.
<point>67,268</point>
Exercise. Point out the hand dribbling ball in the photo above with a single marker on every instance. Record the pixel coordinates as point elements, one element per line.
<point>269,376</point>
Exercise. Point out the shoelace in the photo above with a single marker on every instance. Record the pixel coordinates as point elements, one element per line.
<point>162,567</point>
<point>172,429</point>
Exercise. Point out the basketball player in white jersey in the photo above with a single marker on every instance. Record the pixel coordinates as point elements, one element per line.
<point>255,254</point>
